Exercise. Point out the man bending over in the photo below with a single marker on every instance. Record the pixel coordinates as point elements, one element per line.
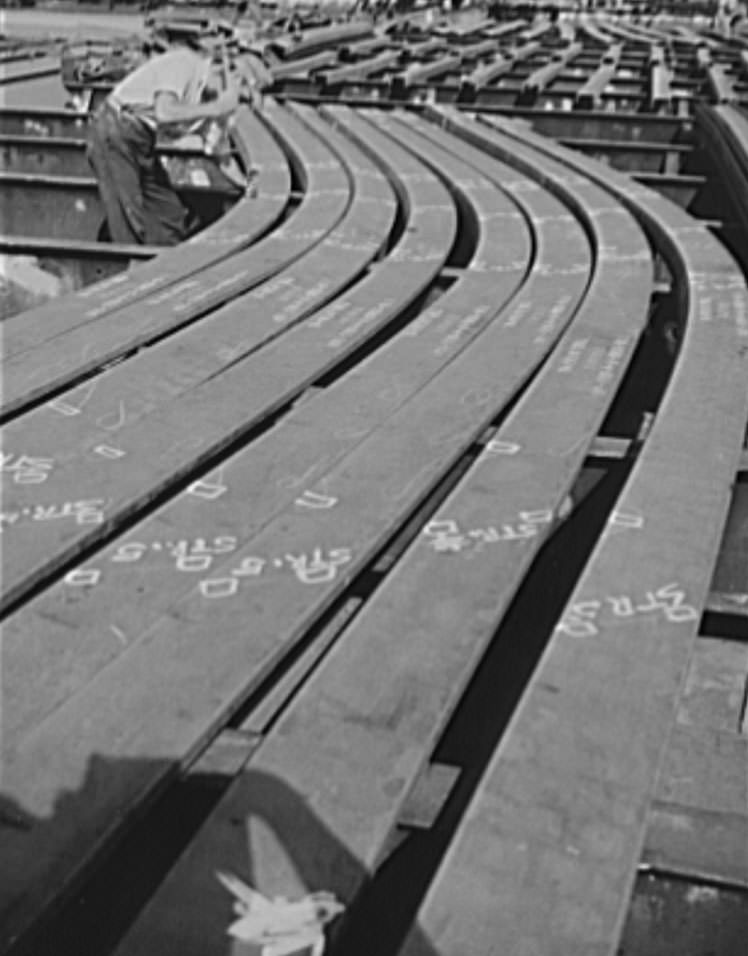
<point>170,92</point>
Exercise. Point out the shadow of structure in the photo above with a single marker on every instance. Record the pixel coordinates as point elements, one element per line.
<point>106,896</point>
<point>258,807</point>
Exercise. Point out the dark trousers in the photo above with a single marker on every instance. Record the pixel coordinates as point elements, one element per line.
<point>139,201</point>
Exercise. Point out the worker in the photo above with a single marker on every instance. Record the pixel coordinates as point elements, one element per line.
<point>723,17</point>
<point>168,93</point>
<point>738,17</point>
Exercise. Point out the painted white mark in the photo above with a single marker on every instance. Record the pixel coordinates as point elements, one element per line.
<point>290,482</point>
<point>26,470</point>
<point>316,569</point>
<point>115,420</point>
<point>108,451</point>
<point>84,512</point>
<point>579,621</point>
<point>622,606</point>
<point>119,634</point>
<point>544,516</point>
<point>623,519</point>
<point>83,577</point>
<point>311,499</point>
<point>209,487</point>
<point>565,508</point>
<point>702,894</point>
<point>194,562</point>
<point>68,406</point>
<point>250,567</point>
<point>127,553</point>
<point>219,587</point>
<point>280,925</point>
<point>64,408</point>
<point>671,600</point>
<point>485,535</point>
<point>498,447</point>
<point>446,535</point>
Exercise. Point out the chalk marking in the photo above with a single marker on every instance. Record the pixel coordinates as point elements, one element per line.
<point>580,621</point>
<point>119,634</point>
<point>117,419</point>
<point>623,519</point>
<point>208,487</point>
<point>290,482</point>
<point>26,470</point>
<point>498,447</point>
<point>218,587</point>
<point>107,451</point>
<point>83,577</point>
<point>316,569</point>
<point>66,407</point>
<point>311,499</point>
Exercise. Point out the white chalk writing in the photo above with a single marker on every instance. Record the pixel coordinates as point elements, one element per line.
<point>83,577</point>
<point>354,325</point>
<point>83,512</point>
<point>622,519</point>
<point>108,451</point>
<point>74,401</point>
<point>112,421</point>
<point>611,362</point>
<point>190,556</point>
<point>209,487</point>
<point>573,354</point>
<point>465,327</point>
<point>25,469</point>
<point>445,535</point>
<point>498,447</point>
<point>581,619</point>
<point>319,567</point>
<point>311,499</point>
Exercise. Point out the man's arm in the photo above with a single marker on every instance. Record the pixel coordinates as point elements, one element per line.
<point>167,108</point>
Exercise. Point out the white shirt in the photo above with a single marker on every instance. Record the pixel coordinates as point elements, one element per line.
<point>183,73</point>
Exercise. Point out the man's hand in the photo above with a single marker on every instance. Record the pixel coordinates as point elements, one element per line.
<point>169,111</point>
<point>227,102</point>
<point>252,96</point>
